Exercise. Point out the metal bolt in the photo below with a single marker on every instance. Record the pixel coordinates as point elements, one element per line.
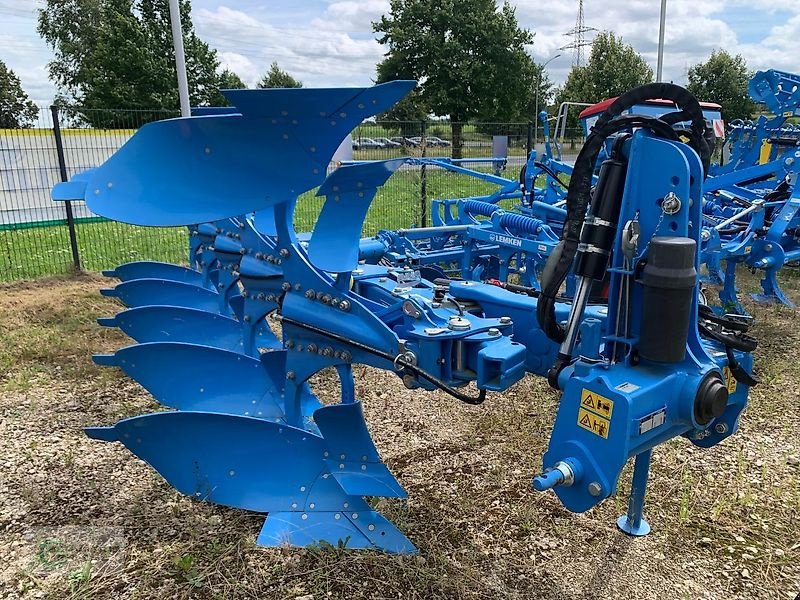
<point>671,204</point>
<point>721,428</point>
<point>310,294</point>
<point>594,489</point>
<point>327,352</point>
<point>326,299</point>
<point>242,251</point>
<point>505,320</point>
<point>493,331</point>
<point>298,287</point>
<point>286,286</point>
<point>290,344</point>
<point>284,252</point>
<point>344,305</point>
<point>290,375</point>
<point>320,295</point>
<point>247,318</point>
<point>346,356</point>
<point>312,348</point>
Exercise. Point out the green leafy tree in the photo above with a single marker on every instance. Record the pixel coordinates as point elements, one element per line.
<point>227,80</point>
<point>278,78</point>
<point>468,55</point>
<point>723,78</point>
<point>613,68</point>
<point>16,109</point>
<point>117,54</point>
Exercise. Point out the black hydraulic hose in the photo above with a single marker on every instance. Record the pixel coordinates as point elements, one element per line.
<point>395,360</point>
<point>550,172</point>
<point>580,186</point>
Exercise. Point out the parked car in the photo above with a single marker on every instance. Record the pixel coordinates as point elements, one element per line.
<point>368,144</point>
<point>436,141</point>
<point>387,143</point>
<point>403,141</point>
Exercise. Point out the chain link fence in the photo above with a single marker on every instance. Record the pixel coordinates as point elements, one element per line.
<point>40,237</point>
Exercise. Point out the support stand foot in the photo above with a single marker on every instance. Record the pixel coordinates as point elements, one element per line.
<point>633,523</point>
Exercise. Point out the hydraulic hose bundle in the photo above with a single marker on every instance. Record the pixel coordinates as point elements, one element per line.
<point>606,199</point>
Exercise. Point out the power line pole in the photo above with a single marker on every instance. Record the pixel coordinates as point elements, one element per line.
<point>180,57</point>
<point>578,34</point>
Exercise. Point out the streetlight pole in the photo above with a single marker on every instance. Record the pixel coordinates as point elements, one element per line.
<point>536,101</point>
<point>180,57</point>
<point>660,65</point>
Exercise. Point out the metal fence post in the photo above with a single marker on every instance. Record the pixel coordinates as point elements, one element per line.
<point>423,174</point>
<point>62,166</point>
<point>530,139</point>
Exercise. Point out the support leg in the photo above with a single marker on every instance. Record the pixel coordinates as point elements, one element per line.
<point>634,523</point>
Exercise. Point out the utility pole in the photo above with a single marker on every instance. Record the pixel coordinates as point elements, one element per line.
<point>660,65</point>
<point>180,57</point>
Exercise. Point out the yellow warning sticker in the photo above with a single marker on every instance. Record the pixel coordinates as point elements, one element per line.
<point>730,380</point>
<point>591,422</point>
<point>596,403</point>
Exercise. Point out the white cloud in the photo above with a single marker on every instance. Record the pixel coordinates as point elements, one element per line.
<point>318,55</point>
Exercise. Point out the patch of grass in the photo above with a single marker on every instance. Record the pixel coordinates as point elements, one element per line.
<point>42,251</point>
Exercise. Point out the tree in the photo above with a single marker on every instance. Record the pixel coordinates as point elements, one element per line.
<point>723,79</point>
<point>227,80</point>
<point>16,109</point>
<point>469,57</point>
<point>117,54</point>
<point>278,78</point>
<point>613,68</point>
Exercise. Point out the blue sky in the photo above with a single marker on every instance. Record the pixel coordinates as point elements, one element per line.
<point>330,42</point>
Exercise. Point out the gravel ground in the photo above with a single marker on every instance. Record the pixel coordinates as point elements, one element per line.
<point>83,519</point>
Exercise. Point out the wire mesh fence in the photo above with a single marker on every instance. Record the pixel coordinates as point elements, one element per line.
<point>39,237</point>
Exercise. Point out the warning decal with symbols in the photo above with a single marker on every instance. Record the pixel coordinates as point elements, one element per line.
<point>591,422</point>
<point>596,403</point>
<point>730,380</point>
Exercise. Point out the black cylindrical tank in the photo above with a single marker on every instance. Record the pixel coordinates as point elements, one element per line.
<point>669,279</point>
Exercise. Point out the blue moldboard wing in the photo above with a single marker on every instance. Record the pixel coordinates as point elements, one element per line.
<point>199,169</point>
<point>148,269</point>
<point>349,192</point>
<point>232,460</point>
<point>164,292</point>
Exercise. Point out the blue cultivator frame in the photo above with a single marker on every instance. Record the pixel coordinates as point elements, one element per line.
<point>246,430</point>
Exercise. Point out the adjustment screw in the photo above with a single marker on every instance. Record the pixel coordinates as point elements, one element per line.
<point>594,489</point>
